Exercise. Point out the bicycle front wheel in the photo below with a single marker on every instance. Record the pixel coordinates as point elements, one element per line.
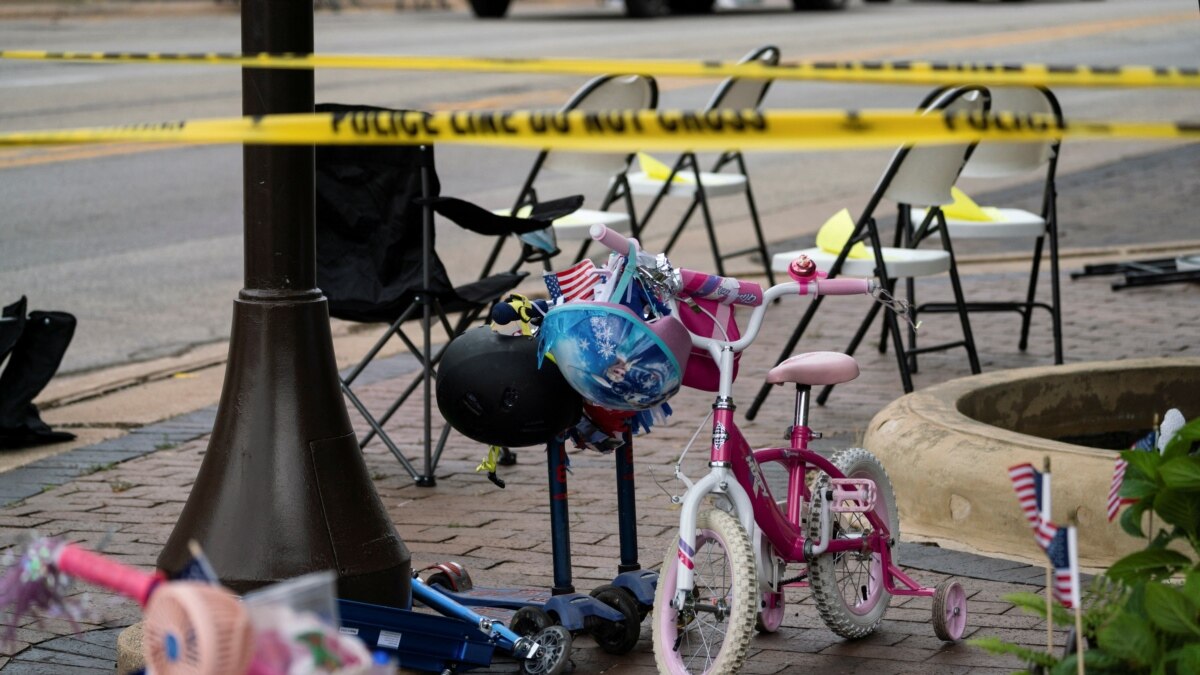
<point>848,586</point>
<point>712,632</point>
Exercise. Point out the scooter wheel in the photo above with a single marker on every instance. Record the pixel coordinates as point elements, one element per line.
<point>554,652</point>
<point>618,637</point>
<point>530,621</point>
<point>440,579</point>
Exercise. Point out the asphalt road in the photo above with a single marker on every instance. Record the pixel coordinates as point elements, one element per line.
<point>144,244</point>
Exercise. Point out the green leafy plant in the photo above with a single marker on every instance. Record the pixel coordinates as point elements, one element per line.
<point>1143,615</point>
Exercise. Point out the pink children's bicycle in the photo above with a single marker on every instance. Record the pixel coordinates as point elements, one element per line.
<point>738,546</point>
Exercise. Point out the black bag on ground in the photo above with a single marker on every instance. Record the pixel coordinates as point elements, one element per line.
<point>34,346</point>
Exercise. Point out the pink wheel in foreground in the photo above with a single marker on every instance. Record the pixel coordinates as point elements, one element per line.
<point>710,634</point>
<point>949,611</point>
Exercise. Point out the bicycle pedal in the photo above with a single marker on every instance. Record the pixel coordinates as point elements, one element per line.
<point>852,495</point>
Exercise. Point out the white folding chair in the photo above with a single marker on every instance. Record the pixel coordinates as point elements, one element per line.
<point>606,92</point>
<point>687,181</point>
<point>995,160</point>
<point>920,175</point>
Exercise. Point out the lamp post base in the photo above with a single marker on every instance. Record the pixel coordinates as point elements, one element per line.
<point>283,489</point>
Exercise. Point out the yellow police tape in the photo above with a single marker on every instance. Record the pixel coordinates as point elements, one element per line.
<point>876,72</point>
<point>618,130</point>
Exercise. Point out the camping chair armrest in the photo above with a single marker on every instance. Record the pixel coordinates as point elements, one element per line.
<point>556,208</point>
<point>479,220</point>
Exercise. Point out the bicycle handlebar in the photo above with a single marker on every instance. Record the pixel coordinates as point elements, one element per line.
<point>610,238</point>
<point>728,290</point>
<point>725,290</point>
<point>806,279</point>
<point>693,284</point>
<point>841,287</point>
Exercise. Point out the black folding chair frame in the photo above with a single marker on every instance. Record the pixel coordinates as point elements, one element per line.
<point>1049,214</point>
<point>866,231</point>
<point>688,162</point>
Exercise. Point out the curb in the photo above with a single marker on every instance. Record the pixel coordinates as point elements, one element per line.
<point>39,475</point>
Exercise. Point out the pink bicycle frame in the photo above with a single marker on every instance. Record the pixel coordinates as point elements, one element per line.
<point>748,491</point>
<point>735,470</point>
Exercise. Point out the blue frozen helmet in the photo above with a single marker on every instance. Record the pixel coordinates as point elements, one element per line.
<point>612,356</point>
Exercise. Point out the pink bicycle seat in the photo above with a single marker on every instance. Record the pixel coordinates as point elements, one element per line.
<point>815,368</point>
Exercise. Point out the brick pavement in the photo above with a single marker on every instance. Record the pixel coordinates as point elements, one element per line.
<point>134,503</point>
<point>130,490</point>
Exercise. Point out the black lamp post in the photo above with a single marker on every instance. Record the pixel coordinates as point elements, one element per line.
<point>283,489</point>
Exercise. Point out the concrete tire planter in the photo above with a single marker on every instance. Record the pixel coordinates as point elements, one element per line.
<point>948,448</point>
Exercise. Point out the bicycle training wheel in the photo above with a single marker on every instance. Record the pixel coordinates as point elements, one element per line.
<point>711,634</point>
<point>949,611</point>
<point>848,586</point>
<point>772,604</point>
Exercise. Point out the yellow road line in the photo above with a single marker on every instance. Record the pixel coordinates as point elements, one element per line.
<point>33,157</point>
<point>1007,38</point>
<point>861,72</point>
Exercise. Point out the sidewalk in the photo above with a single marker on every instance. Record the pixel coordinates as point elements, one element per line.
<point>133,486</point>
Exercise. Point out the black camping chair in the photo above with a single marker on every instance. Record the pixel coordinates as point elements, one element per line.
<point>377,263</point>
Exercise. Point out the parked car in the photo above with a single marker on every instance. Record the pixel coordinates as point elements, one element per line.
<point>495,9</point>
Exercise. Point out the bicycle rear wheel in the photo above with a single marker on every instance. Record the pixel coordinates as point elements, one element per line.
<point>711,634</point>
<point>848,586</point>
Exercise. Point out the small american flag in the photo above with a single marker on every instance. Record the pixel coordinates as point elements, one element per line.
<point>1033,493</point>
<point>1062,552</point>
<point>573,283</point>
<point>1115,502</point>
<point>1114,491</point>
<point>1030,486</point>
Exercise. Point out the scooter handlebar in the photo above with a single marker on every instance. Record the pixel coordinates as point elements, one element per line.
<point>96,569</point>
<point>725,290</point>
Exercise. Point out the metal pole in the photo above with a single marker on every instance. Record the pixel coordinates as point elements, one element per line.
<point>560,517</point>
<point>626,505</point>
<point>427,479</point>
<point>283,489</point>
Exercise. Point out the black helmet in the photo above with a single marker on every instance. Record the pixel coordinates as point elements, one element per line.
<point>490,389</point>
